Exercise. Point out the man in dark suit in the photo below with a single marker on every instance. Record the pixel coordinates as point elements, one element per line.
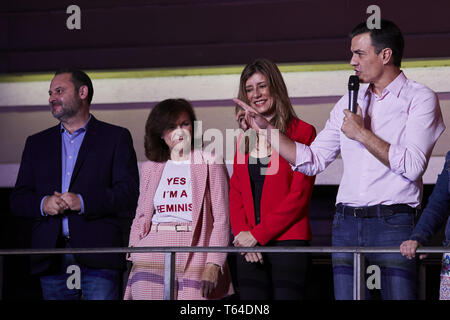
<point>79,182</point>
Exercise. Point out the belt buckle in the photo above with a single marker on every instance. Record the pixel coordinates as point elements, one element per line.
<point>178,230</point>
<point>356,210</point>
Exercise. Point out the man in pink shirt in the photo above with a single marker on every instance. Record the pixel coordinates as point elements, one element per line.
<point>385,148</point>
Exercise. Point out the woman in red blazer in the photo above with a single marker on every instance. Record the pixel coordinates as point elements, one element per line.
<point>269,203</point>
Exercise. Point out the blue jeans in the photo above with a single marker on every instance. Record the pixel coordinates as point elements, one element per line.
<point>95,284</point>
<point>398,274</point>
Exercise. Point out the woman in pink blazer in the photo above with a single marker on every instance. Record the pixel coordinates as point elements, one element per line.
<point>183,202</point>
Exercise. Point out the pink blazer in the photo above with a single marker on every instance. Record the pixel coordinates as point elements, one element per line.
<point>210,208</point>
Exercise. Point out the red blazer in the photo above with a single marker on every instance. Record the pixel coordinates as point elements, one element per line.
<point>285,197</point>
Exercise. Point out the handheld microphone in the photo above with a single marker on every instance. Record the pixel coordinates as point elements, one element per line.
<point>353,87</point>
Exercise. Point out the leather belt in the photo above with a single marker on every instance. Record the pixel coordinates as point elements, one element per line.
<point>177,228</point>
<point>374,211</point>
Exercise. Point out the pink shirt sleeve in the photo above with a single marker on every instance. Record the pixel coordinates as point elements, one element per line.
<point>325,148</point>
<point>423,128</point>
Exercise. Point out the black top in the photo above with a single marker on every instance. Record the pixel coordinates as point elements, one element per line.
<point>257,168</point>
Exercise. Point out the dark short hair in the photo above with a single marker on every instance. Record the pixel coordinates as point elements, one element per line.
<point>163,115</point>
<point>388,36</point>
<point>79,78</point>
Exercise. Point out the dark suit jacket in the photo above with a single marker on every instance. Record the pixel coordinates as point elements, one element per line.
<point>105,174</point>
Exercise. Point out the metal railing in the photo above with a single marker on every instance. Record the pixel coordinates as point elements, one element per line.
<point>169,260</point>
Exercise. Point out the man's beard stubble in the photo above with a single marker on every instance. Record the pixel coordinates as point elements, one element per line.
<point>68,109</point>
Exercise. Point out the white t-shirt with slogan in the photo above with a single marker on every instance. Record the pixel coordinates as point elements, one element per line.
<point>173,198</point>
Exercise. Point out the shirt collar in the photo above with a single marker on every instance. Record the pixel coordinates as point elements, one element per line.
<point>394,87</point>
<point>82,128</point>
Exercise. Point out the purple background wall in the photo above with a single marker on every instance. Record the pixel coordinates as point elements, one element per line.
<point>142,34</point>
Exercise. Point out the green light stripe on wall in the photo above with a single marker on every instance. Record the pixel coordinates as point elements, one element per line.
<point>205,71</point>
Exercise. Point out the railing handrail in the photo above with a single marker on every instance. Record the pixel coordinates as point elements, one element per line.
<point>312,249</point>
<point>169,259</point>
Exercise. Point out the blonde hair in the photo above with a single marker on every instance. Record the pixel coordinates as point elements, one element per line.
<point>284,112</point>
